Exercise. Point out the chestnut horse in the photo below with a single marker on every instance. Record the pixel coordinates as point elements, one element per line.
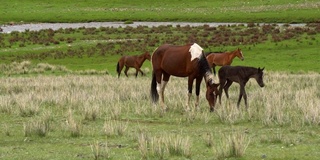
<point>223,58</point>
<point>241,75</point>
<point>135,61</point>
<point>182,61</point>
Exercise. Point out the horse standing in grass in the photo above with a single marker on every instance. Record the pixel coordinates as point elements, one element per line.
<point>182,61</point>
<point>239,74</point>
<point>223,58</point>
<point>135,61</point>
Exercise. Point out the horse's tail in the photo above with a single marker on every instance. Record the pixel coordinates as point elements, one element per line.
<point>118,69</point>
<point>153,91</point>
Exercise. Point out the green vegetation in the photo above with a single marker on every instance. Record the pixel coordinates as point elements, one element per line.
<point>286,11</point>
<point>69,105</point>
<point>101,116</point>
<point>278,48</point>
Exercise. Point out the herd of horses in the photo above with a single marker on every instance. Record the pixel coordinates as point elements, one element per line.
<point>191,61</point>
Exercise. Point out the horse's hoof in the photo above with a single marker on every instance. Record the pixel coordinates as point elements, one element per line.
<point>187,109</point>
<point>165,109</point>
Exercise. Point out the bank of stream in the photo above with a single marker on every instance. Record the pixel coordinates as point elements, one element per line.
<point>56,26</point>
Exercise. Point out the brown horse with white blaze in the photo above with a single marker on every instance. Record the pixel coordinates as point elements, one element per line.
<point>135,61</point>
<point>182,61</point>
<point>223,58</point>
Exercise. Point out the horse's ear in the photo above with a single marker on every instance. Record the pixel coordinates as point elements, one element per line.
<point>260,69</point>
<point>209,82</point>
<point>212,84</point>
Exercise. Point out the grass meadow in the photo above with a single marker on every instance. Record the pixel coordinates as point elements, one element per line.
<point>103,117</point>
<point>60,98</point>
<point>276,47</point>
<point>246,11</point>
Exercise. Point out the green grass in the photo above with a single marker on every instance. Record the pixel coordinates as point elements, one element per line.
<point>281,123</point>
<point>166,10</point>
<point>99,49</point>
<point>278,124</point>
<point>286,56</point>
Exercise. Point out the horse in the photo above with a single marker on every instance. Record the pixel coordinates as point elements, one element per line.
<point>239,74</point>
<point>182,61</point>
<point>135,61</point>
<point>223,58</point>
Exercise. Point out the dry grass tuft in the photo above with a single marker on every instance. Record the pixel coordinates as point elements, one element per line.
<point>100,150</point>
<point>233,145</point>
<point>72,125</point>
<point>115,128</point>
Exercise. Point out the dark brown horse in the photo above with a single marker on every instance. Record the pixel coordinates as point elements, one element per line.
<point>181,61</point>
<point>135,61</point>
<point>241,75</point>
<point>223,58</point>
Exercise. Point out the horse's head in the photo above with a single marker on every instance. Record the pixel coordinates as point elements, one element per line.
<point>259,77</point>
<point>239,54</point>
<point>147,56</point>
<point>211,94</point>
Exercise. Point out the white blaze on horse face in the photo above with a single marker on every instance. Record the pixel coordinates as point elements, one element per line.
<point>195,51</point>
<point>242,55</point>
<point>208,76</point>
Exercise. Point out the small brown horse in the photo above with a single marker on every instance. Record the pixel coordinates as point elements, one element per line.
<point>135,61</point>
<point>223,58</point>
<point>241,75</point>
<point>182,61</point>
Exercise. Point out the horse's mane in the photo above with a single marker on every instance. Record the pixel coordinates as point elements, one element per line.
<point>203,64</point>
<point>141,55</point>
<point>214,52</point>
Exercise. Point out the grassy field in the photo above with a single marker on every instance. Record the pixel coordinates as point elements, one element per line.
<point>278,48</point>
<point>83,117</point>
<point>60,98</point>
<point>165,10</point>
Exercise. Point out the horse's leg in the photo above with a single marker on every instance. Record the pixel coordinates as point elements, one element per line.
<point>136,72</point>
<point>158,76</point>
<point>161,85</point>
<point>226,88</point>
<point>190,82</point>
<point>241,94</point>
<point>139,70</point>
<point>159,88</point>
<point>222,84</point>
<point>126,71</point>
<point>245,97</point>
<point>198,82</point>
<point>214,69</point>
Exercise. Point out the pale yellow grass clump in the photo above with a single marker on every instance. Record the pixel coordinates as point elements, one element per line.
<point>72,102</point>
<point>163,146</point>
<point>100,150</point>
<point>26,67</point>
<point>286,98</point>
<point>233,145</point>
